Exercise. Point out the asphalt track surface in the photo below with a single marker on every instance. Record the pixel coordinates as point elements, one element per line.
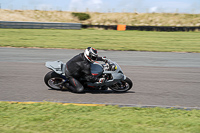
<point>161,79</point>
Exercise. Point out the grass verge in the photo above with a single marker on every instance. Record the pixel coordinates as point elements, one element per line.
<point>102,39</point>
<point>52,117</point>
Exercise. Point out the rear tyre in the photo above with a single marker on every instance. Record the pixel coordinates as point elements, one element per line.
<point>122,86</point>
<point>54,80</point>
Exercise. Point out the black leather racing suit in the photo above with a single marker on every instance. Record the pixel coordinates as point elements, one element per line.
<point>76,68</point>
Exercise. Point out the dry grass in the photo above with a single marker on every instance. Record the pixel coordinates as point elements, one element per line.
<point>138,19</point>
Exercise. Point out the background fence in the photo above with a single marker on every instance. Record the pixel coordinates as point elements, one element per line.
<point>50,25</point>
<point>145,28</point>
<point>38,25</point>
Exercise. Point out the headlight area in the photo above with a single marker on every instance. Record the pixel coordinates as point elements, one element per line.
<point>113,67</point>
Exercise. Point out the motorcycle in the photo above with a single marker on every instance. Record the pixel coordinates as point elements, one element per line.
<point>111,71</point>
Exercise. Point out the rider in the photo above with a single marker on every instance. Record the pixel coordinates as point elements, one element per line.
<point>79,66</point>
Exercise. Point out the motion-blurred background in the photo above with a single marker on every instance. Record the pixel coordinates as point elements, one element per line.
<point>104,12</point>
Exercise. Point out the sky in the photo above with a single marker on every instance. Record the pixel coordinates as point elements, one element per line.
<point>140,6</point>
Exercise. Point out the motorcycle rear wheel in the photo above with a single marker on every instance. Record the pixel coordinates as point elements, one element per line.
<point>122,86</point>
<point>53,80</point>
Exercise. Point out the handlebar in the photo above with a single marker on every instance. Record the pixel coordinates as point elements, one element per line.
<point>109,66</point>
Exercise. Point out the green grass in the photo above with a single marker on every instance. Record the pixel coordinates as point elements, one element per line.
<point>57,118</point>
<point>102,39</point>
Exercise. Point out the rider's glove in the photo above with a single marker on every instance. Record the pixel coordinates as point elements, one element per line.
<point>104,59</point>
<point>101,80</point>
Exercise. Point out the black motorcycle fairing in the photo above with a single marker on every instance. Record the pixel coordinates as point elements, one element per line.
<point>96,69</point>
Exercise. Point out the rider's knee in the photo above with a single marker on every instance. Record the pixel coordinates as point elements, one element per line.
<point>80,89</point>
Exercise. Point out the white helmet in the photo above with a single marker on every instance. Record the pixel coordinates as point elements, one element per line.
<point>91,54</point>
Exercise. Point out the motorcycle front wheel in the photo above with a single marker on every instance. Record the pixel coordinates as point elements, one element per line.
<point>122,86</point>
<point>53,80</point>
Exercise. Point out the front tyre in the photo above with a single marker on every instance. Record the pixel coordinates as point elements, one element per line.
<point>122,86</point>
<point>53,80</point>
